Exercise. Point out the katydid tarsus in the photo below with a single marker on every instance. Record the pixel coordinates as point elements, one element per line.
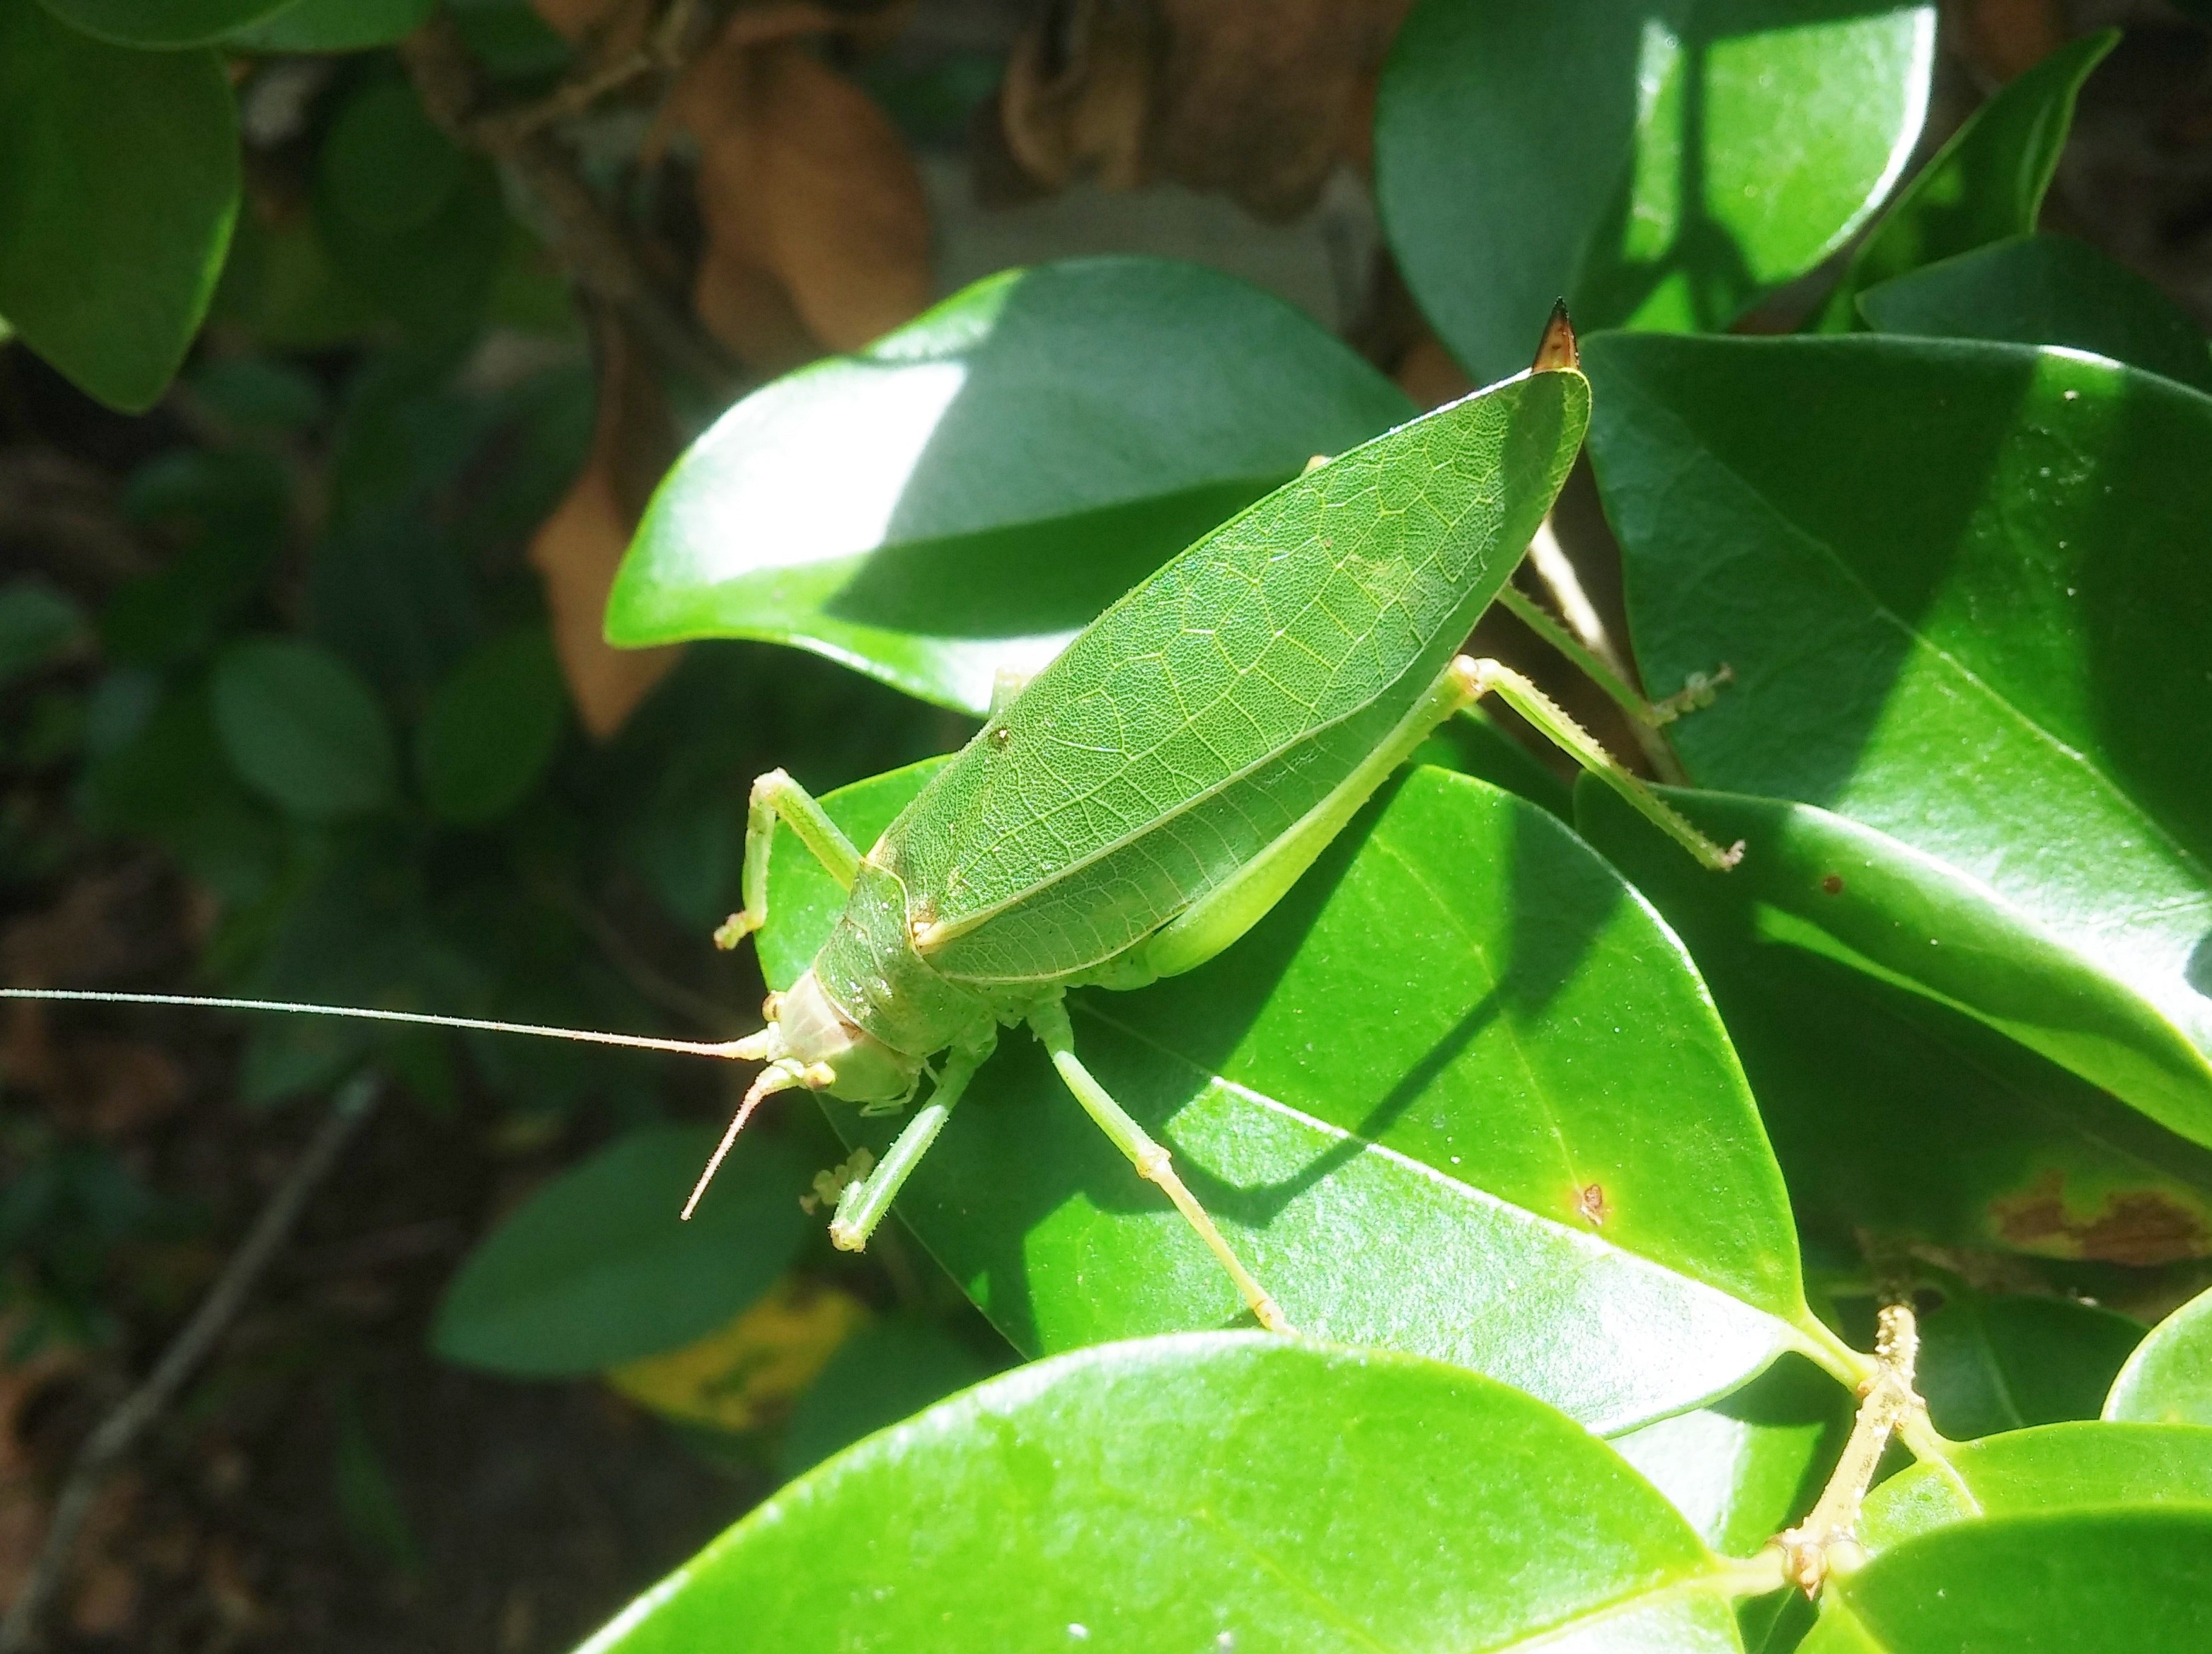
<point>1147,797</point>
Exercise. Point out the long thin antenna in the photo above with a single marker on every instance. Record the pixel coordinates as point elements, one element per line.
<point>733,1049</point>
<point>772,1078</point>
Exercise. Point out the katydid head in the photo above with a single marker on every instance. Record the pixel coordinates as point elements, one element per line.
<point>807,1029</point>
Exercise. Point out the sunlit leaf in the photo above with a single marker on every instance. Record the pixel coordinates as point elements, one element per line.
<point>2168,1379</point>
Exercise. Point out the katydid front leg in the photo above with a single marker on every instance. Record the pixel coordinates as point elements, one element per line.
<point>862,1206</point>
<point>1049,1019</point>
<point>777,796</point>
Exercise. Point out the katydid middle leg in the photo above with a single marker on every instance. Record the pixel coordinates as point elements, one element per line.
<point>777,796</point>
<point>1049,1019</point>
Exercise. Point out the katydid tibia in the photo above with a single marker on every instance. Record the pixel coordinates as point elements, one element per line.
<point>1149,796</point>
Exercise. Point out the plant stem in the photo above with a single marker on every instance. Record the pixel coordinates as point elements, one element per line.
<point>120,1431</point>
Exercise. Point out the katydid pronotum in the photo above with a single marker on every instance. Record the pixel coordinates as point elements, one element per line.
<point>1148,797</point>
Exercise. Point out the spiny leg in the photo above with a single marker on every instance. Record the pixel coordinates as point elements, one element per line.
<point>1050,1021</point>
<point>862,1206</point>
<point>1546,714</point>
<point>775,795</point>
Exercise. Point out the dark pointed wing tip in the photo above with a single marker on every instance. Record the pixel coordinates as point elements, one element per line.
<point>1556,350</point>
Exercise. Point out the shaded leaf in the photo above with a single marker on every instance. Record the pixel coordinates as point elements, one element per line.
<point>160,24</point>
<point>2055,1467</point>
<point>38,622</point>
<point>1626,156</point>
<point>970,492</point>
<point>118,183</point>
<point>743,1376</point>
<point>877,1377</point>
<point>491,729</point>
<point>1847,965</point>
<point>2045,290</point>
<point>594,1268</point>
<point>1986,183</point>
<point>2095,1582</point>
<point>1230,1492</point>
<point>2168,1379</point>
<point>333,26</point>
<point>1994,1363</point>
<point>1429,1100</point>
<point>1964,588</point>
<point>302,729</point>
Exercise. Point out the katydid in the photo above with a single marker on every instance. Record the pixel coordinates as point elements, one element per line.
<point>1148,797</point>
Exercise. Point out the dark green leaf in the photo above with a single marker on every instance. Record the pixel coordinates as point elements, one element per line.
<point>302,729</point>
<point>2045,290</point>
<point>119,182</point>
<point>2094,1582</point>
<point>595,1269</point>
<point>1985,185</point>
<point>409,219</point>
<point>1843,962</point>
<point>332,25</point>
<point>973,489</point>
<point>1627,156</point>
<point>2055,1467</point>
<point>1965,588</point>
<point>878,1377</point>
<point>492,728</point>
<point>1205,1492</point>
<point>1990,1364</point>
<point>38,622</point>
<point>1459,1059</point>
<point>280,284</point>
<point>2168,1379</point>
<point>159,24</point>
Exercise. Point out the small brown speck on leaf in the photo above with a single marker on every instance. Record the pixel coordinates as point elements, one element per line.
<point>1591,1203</point>
<point>1833,884</point>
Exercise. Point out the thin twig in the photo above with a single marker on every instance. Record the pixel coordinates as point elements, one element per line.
<point>121,1429</point>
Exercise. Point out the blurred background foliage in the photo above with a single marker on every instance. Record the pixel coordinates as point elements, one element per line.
<point>302,696</point>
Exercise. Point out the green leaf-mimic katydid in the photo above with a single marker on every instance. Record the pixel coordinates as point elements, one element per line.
<point>1147,799</point>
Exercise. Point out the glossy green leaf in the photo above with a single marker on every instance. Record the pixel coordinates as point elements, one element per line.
<point>1461,1094</point>
<point>594,1268</point>
<point>119,182</point>
<point>491,728</point>
<point>970,492</point>
<point>1994,1363</point>
<point>2168,1379</point>
<point>160,24</point>
<point>1861,984</point>
<point>302,729</point>
<point>1752,1464</point>
<point>1965,588</point>
<point>1986,183</point>
<point>2045,290</point>
<point>2055,1467</point>
<point>1209,1493</point>
<point>410,220</point>
<point>2092,1581</point>
<point>878,1376</point>
<point>1631,156</point>
<point>333,26</point>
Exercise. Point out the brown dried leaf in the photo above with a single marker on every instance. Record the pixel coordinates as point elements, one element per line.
<point>615,27</point>
<point>1077,90</point>
<point>2001,38</point>
<point>578,547</point>
<point>805,187</point>
<point>1427,373</point>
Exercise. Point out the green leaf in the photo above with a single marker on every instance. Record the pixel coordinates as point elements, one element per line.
<point>2054,1467</point>
<point>302,729</point>
<point>2092,1581</point>
<point>118,183</point>
<point>410,220</point>
<point>1846,966</point>
<point>491,728</point>
<point>281,285</point>
<point>1748,1466</point>
<point>1459,1059</point>
<point>1626,156</point>
<point>970,491</point>
<point>595,1269</point>
<point>159,24</point>
<point>1964,587</point>
<point>331,25</point>
<point>2168,1379</point>
<point>38,622</point>
<point>1986,183</point>
<point>1210,1491</point>
<point>2045,290</point>
<point>1990,1364</point>
<point>878,1377</point>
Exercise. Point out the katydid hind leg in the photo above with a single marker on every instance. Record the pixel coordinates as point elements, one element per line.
<point>776,796</point>
<point>1049,1021</point>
